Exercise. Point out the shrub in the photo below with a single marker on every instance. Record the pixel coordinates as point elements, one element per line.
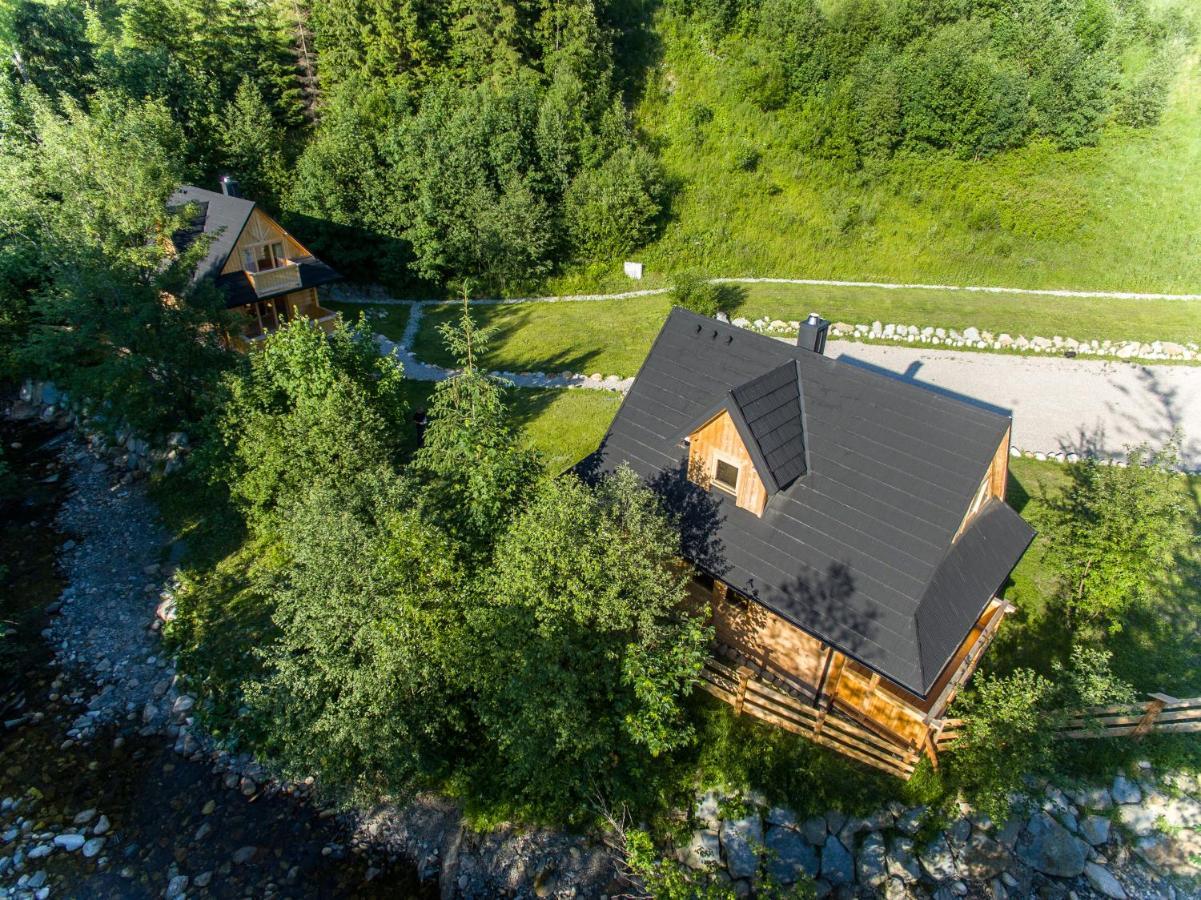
<point>1007,733</point>
<point>612,209</point>
<point>695,292</point>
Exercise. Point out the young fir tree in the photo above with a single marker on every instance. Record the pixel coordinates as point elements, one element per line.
<point>252,146</point>
<point>474,473</point>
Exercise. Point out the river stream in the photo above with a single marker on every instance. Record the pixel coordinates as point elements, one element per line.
<point>121,813</point>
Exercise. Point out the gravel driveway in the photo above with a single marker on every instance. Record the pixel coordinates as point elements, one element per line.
<point>1056,404</point>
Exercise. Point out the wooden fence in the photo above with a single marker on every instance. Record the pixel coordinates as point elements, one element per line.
<point>1160,714</point>
<point>739,687</point>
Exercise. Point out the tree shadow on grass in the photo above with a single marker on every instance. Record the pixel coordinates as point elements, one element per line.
<point>428,346</point>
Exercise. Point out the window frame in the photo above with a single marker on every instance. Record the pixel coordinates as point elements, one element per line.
<point>720,459</point>
<point>255,252</point>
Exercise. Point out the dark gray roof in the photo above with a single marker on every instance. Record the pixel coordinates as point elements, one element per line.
<point>858,549</point>
<point>219,215</point>
<point>771,407</point>
<point>224,217</point>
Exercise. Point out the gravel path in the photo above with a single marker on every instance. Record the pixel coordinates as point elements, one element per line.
<point>1082,406</point>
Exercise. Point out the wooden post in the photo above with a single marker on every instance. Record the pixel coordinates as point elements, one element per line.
<point>744,675</point>
<point>930,744</point>
<point>1154,708</point>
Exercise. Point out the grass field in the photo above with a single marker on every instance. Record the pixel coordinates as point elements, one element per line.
<point>1121,215</point>
<point>387,319</point>
<point>612,337</point>
<point>1081,318</point>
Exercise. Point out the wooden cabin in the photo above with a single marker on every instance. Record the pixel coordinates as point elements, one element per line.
<point>847,528</point>
<point>265,273</point>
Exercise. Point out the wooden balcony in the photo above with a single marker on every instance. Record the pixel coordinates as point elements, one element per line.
<point>270,281</point>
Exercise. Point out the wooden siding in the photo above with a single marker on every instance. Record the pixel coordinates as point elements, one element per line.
<point>784,654</point>
<point>261,228</point>
<point>719,439</point>
<point>993,483</point>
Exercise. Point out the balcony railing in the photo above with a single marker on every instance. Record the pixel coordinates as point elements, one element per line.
<point>271,281</point>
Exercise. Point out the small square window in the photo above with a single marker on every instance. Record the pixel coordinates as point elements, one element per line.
<point>726,476</point>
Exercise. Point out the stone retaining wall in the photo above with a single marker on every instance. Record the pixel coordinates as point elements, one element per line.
<point>1136,836</point>
<point>123,447</point>
<point>972,338</point>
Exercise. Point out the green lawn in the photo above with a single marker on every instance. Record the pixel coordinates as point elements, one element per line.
<point>565,425</point>
<point>613,336</point>
<point>610,337</point>
<point>388,319</point>
<point>1121,215</point>
<point>1081,318</point>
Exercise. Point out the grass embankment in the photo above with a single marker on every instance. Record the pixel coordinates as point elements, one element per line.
<point>1120,215</point>
<point>1159,649</point>
<point>612,337</point>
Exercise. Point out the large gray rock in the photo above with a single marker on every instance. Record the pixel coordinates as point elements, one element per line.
<point>814,830</point>
<point>1096,798</point>
<point>1095,830</point>
<point>70,842</point>
<point>1051,849</point>
<point>739,839</point>
<point>781,815</point>
<point>871,863</point>
<point>706,809</point>
<point>902,863</point>
<point>937,859</point>
<point>789,856</point>
<point>1102,881</point>
<point>1141,820</point>
<point>1125,791</point>
<point>983,857</point>
<point>704,850</point>
<point>835,819</point>
<point>838,867</point>
<point>911,820</point>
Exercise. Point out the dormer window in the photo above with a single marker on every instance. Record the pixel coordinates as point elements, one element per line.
<point>725,476</point>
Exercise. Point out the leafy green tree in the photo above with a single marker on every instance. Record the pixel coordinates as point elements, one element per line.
<point>307,407</point>
<point>1069,94</point>
<point>1114,533</point>
<point>612,209</point>
<point>958,94</point>
<point>47,45</point>
<point>586,652</point>
<point>114,317</point>
<point>253,146</point>
<point>1008,728</point>
<point>361,685</point>
<point>472,469</point>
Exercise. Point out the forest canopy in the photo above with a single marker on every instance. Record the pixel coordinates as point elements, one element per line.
<point>417,143</point>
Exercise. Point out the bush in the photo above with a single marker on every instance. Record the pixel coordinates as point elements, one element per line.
<point>1007,733</point>
<point>695,292</point>
<point>612,209</point>
<point>960,96</point>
